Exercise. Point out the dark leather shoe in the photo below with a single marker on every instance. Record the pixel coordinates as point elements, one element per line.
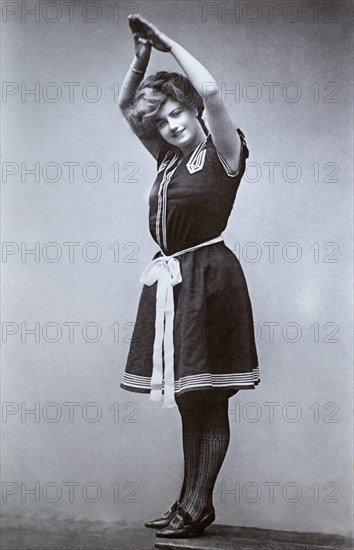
<point>164,520</point>
<point>182,526</point>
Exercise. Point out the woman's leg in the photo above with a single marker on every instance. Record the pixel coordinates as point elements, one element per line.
<point>206,436</point>
<point>191,437</point>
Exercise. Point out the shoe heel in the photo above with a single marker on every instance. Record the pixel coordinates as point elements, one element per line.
<point>205,522</point>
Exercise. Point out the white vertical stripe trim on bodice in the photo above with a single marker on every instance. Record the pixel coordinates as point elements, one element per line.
<point>164,209</point>
<point>162,199</point>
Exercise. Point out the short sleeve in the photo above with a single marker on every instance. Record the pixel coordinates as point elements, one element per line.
<point>244,150</point>
<point>244,154</point>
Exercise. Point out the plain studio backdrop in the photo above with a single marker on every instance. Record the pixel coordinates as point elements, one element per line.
<point>76,183</point>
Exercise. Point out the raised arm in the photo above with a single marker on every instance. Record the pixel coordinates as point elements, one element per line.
<point>220,123</point>
<point>132,80</point>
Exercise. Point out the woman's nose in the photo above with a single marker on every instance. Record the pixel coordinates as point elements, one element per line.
<point>172,124</point>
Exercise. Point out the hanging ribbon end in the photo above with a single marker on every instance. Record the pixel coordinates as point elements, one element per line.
<point>155,395</point>
<point>169,398</point>
<point>170,405</point>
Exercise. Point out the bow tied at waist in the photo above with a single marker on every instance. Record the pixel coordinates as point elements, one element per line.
<point>165,270</point>
<point>163,267</point>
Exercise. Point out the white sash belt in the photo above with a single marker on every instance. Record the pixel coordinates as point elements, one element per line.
<point>165,270</point>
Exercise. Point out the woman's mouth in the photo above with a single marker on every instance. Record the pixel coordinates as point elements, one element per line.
<point>177,134</point>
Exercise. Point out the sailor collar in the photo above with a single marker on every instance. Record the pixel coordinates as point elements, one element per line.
<point>196,159</point>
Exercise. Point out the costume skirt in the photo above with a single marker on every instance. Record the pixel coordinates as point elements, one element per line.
<point>213,331</point>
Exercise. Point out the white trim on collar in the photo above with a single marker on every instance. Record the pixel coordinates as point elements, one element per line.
<point>196,162</point>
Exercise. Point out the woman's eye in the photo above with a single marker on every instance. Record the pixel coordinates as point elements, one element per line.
<point>176,113</point>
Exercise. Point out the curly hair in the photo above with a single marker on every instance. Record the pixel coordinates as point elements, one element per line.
<point>153,92</point>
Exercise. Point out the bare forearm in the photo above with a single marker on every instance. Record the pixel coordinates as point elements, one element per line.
<point>197,74</point>
<point>132,80</point>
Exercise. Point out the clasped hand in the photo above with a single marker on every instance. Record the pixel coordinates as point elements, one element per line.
<point>148,34</point>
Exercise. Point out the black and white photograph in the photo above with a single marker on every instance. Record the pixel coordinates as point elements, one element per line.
<point>177,274</point>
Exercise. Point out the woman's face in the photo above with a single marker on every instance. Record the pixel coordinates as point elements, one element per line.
<point>178,124</point>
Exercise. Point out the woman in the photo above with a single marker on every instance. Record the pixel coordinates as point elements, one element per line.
<point>193,338</point>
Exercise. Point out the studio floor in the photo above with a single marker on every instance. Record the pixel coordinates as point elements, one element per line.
<point>81,535</point>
